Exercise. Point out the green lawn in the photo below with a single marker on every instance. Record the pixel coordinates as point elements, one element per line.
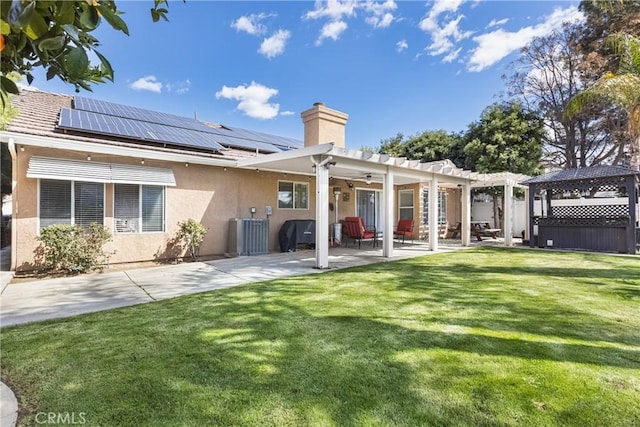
<point>482,337</point>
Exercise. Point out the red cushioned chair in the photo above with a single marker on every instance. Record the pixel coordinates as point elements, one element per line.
<point>353,227</point>
<point>404,229</point>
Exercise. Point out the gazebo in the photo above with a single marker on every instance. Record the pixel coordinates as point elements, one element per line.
<point>594,208</point>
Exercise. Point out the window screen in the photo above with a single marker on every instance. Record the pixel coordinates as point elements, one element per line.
<point>126,207</point>
<point>88,203</point>
<point>152,208</point>
<point>55,202</point>
<point>293,195</point>
<point>139,208</point>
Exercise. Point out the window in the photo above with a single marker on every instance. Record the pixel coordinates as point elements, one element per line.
<point>293,195</point>
<point>138,208</point>
<point>442,207</point>
<point>70,202</point>
<point>405,202</point>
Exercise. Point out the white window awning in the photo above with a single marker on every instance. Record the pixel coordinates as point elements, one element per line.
<point>80,170</point>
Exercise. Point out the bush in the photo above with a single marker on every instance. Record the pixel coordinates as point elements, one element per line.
<point>71,249</point>
<point>192,233</point>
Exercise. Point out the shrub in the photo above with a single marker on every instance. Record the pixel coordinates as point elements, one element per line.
<point>71,249</point>
<point>192,233</point>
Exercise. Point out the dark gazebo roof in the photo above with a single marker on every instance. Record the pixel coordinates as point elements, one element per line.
<point>592,172</point>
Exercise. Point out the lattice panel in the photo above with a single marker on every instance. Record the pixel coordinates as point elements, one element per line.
<point>620,221</point>
<point>594,184</point>
<point>590,211</point>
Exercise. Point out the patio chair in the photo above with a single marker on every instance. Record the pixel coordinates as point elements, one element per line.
<point>404,229</point>
<point>353,227</point>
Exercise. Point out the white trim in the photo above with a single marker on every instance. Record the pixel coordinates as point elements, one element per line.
<point>113,150</point>
<point>285,155</point>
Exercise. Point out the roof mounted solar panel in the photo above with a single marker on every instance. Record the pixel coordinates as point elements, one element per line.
<point>103,117</point>
<point>117,126</point>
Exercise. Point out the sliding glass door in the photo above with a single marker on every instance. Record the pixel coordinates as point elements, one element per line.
<point>369,207</point>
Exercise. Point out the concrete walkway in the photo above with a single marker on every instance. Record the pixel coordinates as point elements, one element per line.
<point>56,298</point>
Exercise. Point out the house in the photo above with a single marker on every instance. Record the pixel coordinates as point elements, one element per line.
<point>139,172</point>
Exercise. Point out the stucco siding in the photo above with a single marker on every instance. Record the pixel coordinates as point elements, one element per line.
<point>211,195</point>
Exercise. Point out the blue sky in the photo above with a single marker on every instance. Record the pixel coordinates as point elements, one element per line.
<point>393,66</point>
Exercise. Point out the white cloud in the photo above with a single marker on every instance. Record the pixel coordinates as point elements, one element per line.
<point>287,113</point>
<point>452,55</point>
<point>495,45</point>
<point>381,17</point>
<point>439,7</point>
<point>377,14</point>
<point>250,24</point>
<point>497,22</point>
<point>331,30</point>
<point>444,36</point>
<point>253,99</point>
<point>380,21</point>
<point>274,45</point>
<point>149,83</point>
<point>332,9</point>
<point>179,87</point>
<point>402,45</point>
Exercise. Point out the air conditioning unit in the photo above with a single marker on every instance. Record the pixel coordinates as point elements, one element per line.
<point>248,236</point>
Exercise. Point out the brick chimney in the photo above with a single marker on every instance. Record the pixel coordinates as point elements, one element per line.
<point>322,125</point>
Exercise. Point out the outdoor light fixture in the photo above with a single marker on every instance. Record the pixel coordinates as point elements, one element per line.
<point>142,162</point>
<point>313,168</point>
<point>89,157</point>
<point>329,164</point>
<point>368,179</point>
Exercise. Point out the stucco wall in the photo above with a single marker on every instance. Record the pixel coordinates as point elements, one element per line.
<point>208,194</point>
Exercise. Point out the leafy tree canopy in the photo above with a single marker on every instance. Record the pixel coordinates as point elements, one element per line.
<point>57,35</point>
<point>506,138</point>
<point>429,146</point>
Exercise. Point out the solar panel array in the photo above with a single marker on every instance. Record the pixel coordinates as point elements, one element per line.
<point>106,118</point>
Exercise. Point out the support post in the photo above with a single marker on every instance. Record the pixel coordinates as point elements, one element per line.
<point>532,199</point>
<point>527,218</point>
<point>466,215</point>
<point>389,219</point>
<point>433,214</point>
<point>508,214</point>
<point>322,213</point>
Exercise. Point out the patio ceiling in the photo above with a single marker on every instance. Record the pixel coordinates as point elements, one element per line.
<point>355,165</point>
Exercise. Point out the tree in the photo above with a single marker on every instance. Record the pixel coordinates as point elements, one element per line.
<point>429,146</point>
<point>545,77</point>
<point>604,18</point>
<point>56,35</point>
<point>506,138</point>
<point>621,89</point>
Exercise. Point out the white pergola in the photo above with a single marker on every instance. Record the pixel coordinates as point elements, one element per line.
<point>324,160</point>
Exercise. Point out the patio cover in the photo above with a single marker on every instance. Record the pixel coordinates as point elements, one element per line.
<point>343,163</point>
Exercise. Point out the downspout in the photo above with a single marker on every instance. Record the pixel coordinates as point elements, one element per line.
<point>14,203</point>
